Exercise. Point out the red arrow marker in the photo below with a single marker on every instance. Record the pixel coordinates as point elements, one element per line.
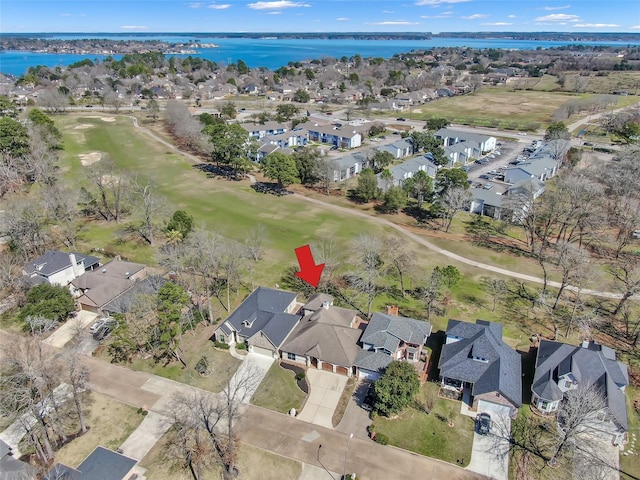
<point>309,271</point>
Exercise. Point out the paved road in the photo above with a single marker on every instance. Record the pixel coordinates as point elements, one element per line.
<point>273,431</point>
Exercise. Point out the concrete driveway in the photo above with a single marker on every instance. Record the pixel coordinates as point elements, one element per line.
<point>143,438</point>
<point>325,391</point>
<point>490,453</point>
<point>356,418</point>
<point>249,376</point>
<point>70,328</point>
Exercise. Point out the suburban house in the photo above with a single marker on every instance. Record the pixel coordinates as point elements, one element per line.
<point>475,143</point>
<point>101,464</point>
<point>95,289</point>
<point>342,137</point>
<point>11,468</point>
<point>59,268</point>
<point>478,366</point>
<point>326,338</point>
<point>561,367</point>
<point>263,321</point>
<point>461,153</point>
<point>541,168</point>
<point>348,166</point>
<point>400,173</point>
<point>257,130</point>
<point>298,137</point>
<point>400,149</point>
<point>147,286</point>
<point>389,337</point>
<point>514,203</point>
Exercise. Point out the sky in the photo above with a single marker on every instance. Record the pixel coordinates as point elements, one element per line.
<point>434,16</point>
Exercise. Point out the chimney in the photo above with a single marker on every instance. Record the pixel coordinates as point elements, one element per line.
<point>74,267</point>
<point>392,310</point>
<point>326,305</point>
<point>585,343</point>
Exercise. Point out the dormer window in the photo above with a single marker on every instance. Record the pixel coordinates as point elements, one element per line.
<point>480,359</point>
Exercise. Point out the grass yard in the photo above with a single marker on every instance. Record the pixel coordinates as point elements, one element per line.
<point>279,391</point>
<point>630,457</point>
<point>490,104</point>
<point>428,435</point>
<point>254,464</point>
<point>110,424</point>
<point>195,344</point>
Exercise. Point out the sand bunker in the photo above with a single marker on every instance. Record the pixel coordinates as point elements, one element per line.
<point>89,158</point>
<point>82,126</point>
<point>104,119</point>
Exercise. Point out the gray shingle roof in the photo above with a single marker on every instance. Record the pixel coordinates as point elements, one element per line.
<point>264,310</point>
<point>499,371</point>
<point>388,330</point>
<point>326,335</point>
<point>373,361</point>
<point>104,464</point>
<point>593,365</point>
<point>55,261</point>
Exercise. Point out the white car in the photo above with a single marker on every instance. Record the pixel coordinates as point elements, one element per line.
<point>95,326</point>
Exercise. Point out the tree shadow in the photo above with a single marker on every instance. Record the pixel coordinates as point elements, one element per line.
<point>435,342</point>
<point>220,171</point>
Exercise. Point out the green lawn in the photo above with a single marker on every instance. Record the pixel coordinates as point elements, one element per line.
<point>429,435</point>
<point>630,463</point>
<point>279,391</point>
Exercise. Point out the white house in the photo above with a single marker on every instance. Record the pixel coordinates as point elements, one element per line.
<point>59,268</point>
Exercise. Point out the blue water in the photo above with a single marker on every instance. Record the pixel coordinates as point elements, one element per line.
<point>274,53</point>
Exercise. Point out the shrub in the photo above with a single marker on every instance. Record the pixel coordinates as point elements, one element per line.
<point>381,438</point>
<point>202,367</point>
<point>300,375</point>
<point>221,345</point>
<point>241,346</point>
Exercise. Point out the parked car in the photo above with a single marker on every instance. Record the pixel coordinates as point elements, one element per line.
<point>488,186</point>
<point>483,424</point>
<point>400,119</point>
<point>334,147</point>
<point>95,326</point>
<point>105,329</point>
<point>485,176</point>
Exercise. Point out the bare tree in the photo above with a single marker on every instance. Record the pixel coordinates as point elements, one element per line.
<point>77,375</point>
<point>61,205</point>
<point>52,100</point>
<point>255,242</point>
<point>626,277</point>
<point>149,206</point>
<point>365,279</point>
<point>496,287</point>
<point>576,414</point>
<point>399,257</point>
<point>111,189</point>
<point>24,222</point>
<point>572,260</point>
<point>451,202</point>
<point>326,172</point>
<point>115,100</point>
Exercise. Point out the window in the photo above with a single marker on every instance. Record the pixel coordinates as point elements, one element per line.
<point>291,356</point>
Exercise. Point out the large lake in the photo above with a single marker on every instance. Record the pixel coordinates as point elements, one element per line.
<point>274,53</point>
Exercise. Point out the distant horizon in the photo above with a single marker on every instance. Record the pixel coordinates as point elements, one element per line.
<point>328,32</point>
<point>318,16</point>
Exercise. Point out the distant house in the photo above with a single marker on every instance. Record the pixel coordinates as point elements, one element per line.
<point>258,130</point>
<point>326,338</point>
<point>13,469</point>
<point>400,149</point>
<point>348,166</point>
<point>263,321</point>
<point>561,367</point>
<point>389,337</point>
<point>298,137</point>
<point>59,268</point>
<point>101,464</point>
<point>342,137</point>
<point>540,167</point>
<point>475,142</point>
<point>477,364</point>
<point>401,173</point>
<point>97,288</point>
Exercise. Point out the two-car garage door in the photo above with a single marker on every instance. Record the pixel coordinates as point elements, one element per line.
<point>262,351</point>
